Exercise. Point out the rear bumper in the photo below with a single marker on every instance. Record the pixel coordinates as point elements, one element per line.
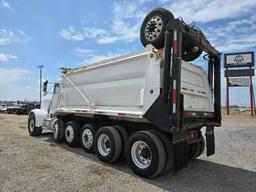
<point>193,119</point>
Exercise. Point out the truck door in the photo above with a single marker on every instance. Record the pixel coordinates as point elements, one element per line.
<point>55,98</point>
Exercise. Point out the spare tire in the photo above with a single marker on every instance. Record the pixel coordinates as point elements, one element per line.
<point>153,27</point>
<point>190,52</point>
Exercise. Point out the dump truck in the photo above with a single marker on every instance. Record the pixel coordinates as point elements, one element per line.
<point>147,107</point>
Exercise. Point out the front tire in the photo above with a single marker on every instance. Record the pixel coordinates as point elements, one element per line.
<point>146,154</point>
<point>32,129</point>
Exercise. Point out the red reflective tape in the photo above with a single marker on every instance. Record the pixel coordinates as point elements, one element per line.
<point>80,110</point>
<point>121,114</point>
<point>174,96</point>
<point>100,112</point>
<point>174,45</point>
<point>189,114</point>
<point>184,88</point>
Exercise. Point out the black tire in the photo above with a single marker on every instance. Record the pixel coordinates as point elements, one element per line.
<point>58,130</point>
<point>108,144</point>
<point>202,147</point>
<point>87,137</point>
<point>157,152</point>
<point>32,129</point>
<point>193,150</point>
<point>72,131</point>
<point>169,150</point>
<point>125,137</point>
<point>149,33</point>
<point>188,54</point>
<point>196,149</point>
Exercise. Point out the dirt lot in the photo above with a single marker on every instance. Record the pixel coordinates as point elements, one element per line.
<point>38,164</point>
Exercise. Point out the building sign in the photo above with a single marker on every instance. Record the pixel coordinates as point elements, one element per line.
<point>239,72</point>
<point>239,82</point>
<point>243,59</point>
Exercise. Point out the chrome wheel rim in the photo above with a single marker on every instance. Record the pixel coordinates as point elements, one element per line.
<point>32,125</point>
<point>55,130</point>
<point>69,133</point>
<point>141,154</point>
<point>87,138</point>
<point>104,144</point>
<point>153,28</point>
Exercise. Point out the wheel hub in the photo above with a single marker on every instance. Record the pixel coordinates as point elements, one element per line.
<point>56,129</point>
<point>141,154</point>
<point>87,138</point>
<point>153,28</point>
<point>104,145</point>
<point>69,133</point>
<point>31,125</point>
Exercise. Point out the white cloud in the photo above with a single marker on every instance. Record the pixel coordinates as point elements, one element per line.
<point>15,82</point>
<point>125,25</point>
<point>8,37</point>
<point>71,34</point>
<point>9,75</point>
<point>83,52</point>
<point>91,56</point>
<point>208,10</point>
<point>234,35</point>
<point>7,57</point>
<point>5,4</point>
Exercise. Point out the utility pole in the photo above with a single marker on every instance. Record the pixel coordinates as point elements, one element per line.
<point>40,68</point>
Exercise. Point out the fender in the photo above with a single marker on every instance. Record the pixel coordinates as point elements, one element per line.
<point>40,116</point>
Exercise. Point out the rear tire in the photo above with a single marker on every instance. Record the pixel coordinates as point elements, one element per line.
<point>108,144</point>
<point>32,129</point>
<point>58,131</point>
<point>125,137</point>
<point>196,149</point>
<point>153,27</point>
<point>168,148</point>
<point>72,131</point>
<point>87,137</point>
<point>145,154</point>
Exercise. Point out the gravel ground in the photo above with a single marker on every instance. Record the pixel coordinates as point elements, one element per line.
<point>38,164</point>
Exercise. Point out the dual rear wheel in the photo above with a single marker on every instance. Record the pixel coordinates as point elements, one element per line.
<point>147,152</point>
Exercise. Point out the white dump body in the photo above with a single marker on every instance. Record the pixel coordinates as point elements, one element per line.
<point>128,85</point>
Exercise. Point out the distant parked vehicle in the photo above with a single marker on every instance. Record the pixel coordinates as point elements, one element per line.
<point>12,109</point>
<point>22,109</point>
<point>3,108</point>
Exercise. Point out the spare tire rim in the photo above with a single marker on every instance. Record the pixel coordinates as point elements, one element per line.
<point>141,154</point>
<point>69,133</point>
<point>31,125</point>
<point>153,28</point>
<point>104,145</point>
<point>87,138</point>
<point>56,130</point>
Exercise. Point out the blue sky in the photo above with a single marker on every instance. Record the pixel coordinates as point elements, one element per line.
<point>72,33</point>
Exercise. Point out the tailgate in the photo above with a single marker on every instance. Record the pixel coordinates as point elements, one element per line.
<point>195,88</point>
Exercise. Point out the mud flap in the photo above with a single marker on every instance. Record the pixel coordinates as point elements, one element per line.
<point>180,151</point>
<point>210,143</point>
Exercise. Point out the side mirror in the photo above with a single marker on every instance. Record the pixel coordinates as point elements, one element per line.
<point>45,87</point>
